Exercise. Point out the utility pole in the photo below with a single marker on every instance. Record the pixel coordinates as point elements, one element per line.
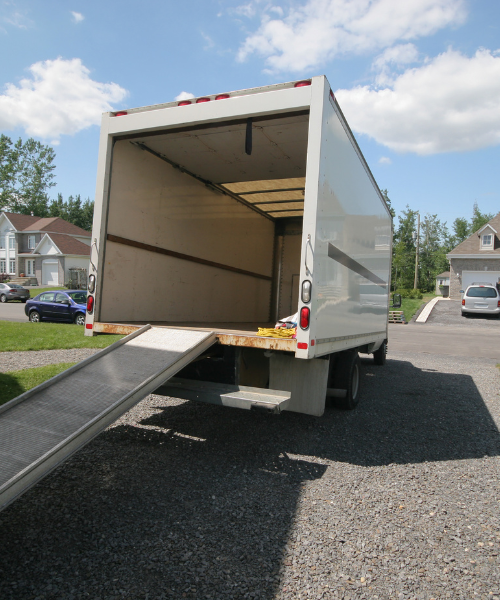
<point>415,283</point>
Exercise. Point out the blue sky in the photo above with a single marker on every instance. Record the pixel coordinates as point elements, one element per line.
<point>418,80</point>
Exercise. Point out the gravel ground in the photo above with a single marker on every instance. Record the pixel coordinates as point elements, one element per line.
<point>399,499</point>
<point>447,312</point>
<point>15,361</point>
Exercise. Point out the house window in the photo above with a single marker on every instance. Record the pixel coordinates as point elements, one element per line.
<point>31,242</point>
<point>3,267</point>
<point>487,240</point>
<point>2,242</point>
<point>12,266</point>
<point>11,242</point>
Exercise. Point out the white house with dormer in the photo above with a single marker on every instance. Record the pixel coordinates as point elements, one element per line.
<point>41,248</point>
<point>476,259</point>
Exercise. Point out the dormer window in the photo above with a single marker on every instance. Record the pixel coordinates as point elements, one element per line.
<point>487,241</point>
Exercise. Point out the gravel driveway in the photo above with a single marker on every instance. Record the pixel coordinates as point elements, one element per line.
<point>447,312</point>
<point>398,499</point>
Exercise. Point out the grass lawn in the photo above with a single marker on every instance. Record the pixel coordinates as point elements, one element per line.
<point>410,306</point>
<point>15,383</point>
<point>35,291</point>
<point>48,336</point>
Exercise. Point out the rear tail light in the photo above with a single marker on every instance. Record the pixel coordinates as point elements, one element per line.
<point>306,291</point>
<point>499,304</point>
<point>463,302</point>
<point>202,100</point>
<point>222,96</point>
<point>302,83</point>
<point>302,346</point>
<point>304,317</point>
<point>88,326</point>
<point>91,286</point>
<point>184,102</point>
<point>121,113</point>
<point>90,304</point>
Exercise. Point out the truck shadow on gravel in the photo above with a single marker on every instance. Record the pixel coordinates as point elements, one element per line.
<point>199,501</point>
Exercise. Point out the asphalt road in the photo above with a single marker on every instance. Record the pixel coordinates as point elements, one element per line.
<point>12,311</point>
<point>447,333</point>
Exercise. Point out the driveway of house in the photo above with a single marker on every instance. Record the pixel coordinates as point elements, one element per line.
<point>447,312</point>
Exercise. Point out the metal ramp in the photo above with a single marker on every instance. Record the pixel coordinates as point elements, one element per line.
<point>44,426</point>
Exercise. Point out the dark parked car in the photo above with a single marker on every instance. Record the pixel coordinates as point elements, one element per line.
<point>12,291</point>
<point>69,305</point>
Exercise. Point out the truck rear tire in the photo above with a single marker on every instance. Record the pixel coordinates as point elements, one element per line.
<point>379,356</point>
<point>347,376</point>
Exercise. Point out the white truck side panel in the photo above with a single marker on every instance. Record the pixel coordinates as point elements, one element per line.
<point>348,256</point>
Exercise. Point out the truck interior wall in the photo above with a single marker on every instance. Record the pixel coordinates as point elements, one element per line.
<point>154,203</point>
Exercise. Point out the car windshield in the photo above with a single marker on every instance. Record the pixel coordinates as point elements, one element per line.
<point>481,292</point>
<point>78,297</point>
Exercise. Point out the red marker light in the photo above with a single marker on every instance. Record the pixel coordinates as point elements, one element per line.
<point>202,100</point>
<point>331,94</point>
<point>121,113</point>
<point>184,102</point>
<point>302,83</point>
<point>88,326</point>
<point>304,317</point>
<point>222,96</point>
<point>302,346</point>
<point>90,304</point>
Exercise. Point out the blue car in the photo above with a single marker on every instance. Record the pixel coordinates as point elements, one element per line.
<point>69,305</point>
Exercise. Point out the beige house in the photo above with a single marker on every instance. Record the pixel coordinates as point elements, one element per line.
<point>44,249</point>
<point>476,259</point>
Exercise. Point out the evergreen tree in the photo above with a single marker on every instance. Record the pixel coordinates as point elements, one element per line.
<point>434,238</point>
<point>478,219</point>
<point>404,249</point>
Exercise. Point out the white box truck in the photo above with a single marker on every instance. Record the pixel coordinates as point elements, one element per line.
<point>228,212</point>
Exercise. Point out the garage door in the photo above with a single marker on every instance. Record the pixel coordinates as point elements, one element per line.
<point>469,277</point>
<point>50,273</point>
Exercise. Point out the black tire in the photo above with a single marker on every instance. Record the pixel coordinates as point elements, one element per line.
<point>380,355</point>
<point>347,376</point>
<point>34,316</point>
<point>23,301</point>
<point>3,298</point>
<point>80,319</point>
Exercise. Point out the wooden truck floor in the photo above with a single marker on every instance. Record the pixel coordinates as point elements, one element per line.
<point>227,334</point>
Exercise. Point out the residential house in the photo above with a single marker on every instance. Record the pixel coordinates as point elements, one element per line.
<point>476,259</point>
<point>42,248</point>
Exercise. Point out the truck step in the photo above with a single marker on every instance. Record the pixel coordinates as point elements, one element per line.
<point>237,396</point>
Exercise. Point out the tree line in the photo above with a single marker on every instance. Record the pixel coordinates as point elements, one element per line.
<point>435,240</point>
<point>27,175</point>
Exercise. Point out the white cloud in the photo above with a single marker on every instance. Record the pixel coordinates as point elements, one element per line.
<point>314,32</point>
<point>450,104</point>
<point>184,96</point>
<point>77,17</point>
<point>402,54</point>
<point>58,99</point>
<point>385,160</point>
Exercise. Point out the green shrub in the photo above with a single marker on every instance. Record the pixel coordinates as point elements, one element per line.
<point>413,294</point>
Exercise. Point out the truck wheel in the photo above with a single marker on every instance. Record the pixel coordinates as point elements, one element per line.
<point>380,355</point>
<point>347,376</point>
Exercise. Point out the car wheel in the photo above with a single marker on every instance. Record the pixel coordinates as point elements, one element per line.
<point>3,298</point>
<point>379,356</point>
<point>80,319</point>
<point>347,376</point>
<point>34,316</point>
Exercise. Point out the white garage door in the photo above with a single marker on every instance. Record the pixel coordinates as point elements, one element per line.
<point>50,273</point>
<point>469,277</point>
